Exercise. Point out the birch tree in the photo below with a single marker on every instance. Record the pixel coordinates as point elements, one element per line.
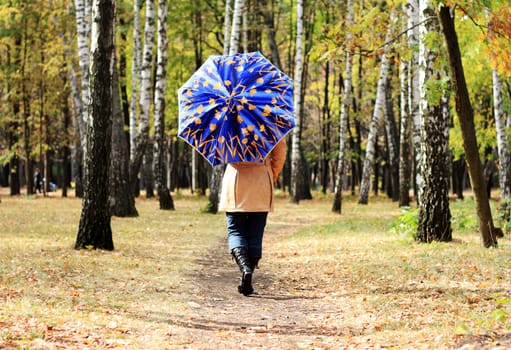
<point>296,159</point>
<point>82,14</point>
<point>227,26</point>
<point>378,111</point>
<point>408,96</point>
<point>502,141</point>
<point>414,88</point>
<point>135,76</point>
<point>94,230</point>
<point>239,6</point>
<point>345,107</point>
<point>434,212</point>
<point>160,172</point>
<point>502,145</point>
<point>145,95</point>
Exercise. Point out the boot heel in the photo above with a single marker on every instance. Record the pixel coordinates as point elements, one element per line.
<point>245,286</point>
<point>240,254</point>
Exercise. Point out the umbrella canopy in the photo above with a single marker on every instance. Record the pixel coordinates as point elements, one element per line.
<point>236,108</point>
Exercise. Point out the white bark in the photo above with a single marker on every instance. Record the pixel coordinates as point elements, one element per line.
<point>145,71</point>
<point>145,90</point>
<point>502,138</point>
<point>297,95</point>
<point>434,212</point>
<point>413,85</point>
<point>239,6</point>
<point>164,196</point>
<point>404,135</point>
<point>227,26</point>
<point>82,14</point>
<point>135,76</point>
<point>409,104</point>
<point>159,97</point>
<point>94,228</point>
<point>373,128</point>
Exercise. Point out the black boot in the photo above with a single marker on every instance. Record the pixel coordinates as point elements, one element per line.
<point>240,254</point>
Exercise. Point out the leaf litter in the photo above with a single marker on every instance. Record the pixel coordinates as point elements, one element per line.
<point>326,282</point>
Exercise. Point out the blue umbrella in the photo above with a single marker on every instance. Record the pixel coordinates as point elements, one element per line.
<point>236,108</point>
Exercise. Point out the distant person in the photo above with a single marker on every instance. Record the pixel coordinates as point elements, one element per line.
<point>38,181</point>
<point>247,197</point>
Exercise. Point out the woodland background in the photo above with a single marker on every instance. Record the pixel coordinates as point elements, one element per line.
<point>370,133</point>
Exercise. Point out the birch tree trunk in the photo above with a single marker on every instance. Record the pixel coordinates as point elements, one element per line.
<point>407,75</point>
<point>502,138</point>
<point>160,173</point>
<point>297,96</point>
<point>434,213</point>
<point>345,107</point>
<point>502,144</point>
<point>83,32</point>
<point>94,230</point>
<point>145,95</point>
<point>227,26</point>
<point>378,111</point>
<point>135,76</point>
<point>239,6</point>
<point>82,14</point>
<point>405,119</point>
<point>466,117</point>
<point>414,90</point>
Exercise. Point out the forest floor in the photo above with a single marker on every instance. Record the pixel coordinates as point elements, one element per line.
<point>354,281</point>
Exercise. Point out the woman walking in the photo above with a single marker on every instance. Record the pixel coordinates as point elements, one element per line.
<point>247,197</point>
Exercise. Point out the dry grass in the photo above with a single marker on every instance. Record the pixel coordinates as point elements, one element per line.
<point>374,288</point>
<point>53,294</point>
<point>385,290</point>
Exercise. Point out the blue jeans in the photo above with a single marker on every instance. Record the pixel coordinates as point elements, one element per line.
<point>246,230</point>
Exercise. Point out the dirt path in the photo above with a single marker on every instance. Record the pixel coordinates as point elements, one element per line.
<point>277,316</point>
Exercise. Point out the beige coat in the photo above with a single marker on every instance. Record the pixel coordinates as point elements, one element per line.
<point>248,187</point>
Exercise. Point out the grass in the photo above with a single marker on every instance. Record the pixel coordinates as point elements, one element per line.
<point>379,286</point>
<point>399,293</point>
<point>47,285</point>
